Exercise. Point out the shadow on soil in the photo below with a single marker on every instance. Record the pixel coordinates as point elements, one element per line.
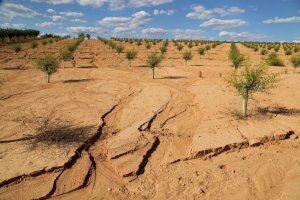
<point>51,131</point>
<point>173,77</point>
<point>77,80</point>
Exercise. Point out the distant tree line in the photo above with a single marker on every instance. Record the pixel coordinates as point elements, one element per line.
<point>10,33</point>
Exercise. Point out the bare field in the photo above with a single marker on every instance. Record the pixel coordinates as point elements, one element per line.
<point>104,130</point>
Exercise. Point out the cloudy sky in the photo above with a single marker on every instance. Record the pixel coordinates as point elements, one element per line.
<point>261,20</point>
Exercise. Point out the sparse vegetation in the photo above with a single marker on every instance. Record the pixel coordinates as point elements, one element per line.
<point>295,60</point>
<point>187,55</point>
<point>201,51</point>
<point>48,64</point>
<point>251,80</point>
<point>17,48</point>
<point>131,55</point>
<point>33,44</point>
<point>235,56</point>
<point>153,61</point>
<point>274,60</point>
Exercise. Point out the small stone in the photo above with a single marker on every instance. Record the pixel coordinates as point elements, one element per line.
<point>294,137</point>
<point>254,142</point>
<point>109,189</point>
<point>221,166</point>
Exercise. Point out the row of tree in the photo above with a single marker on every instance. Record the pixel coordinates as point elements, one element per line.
<point>10,33</point>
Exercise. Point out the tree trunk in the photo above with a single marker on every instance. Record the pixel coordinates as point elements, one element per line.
<point>245,105</point>
<point>48,78</point>
<point>153,73</point>
<point>129,63</point>
<point>186,63</point>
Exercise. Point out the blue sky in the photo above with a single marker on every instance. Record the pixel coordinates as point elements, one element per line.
<point>260,20</point>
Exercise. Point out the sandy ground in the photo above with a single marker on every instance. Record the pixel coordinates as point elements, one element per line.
<point>103,130</point>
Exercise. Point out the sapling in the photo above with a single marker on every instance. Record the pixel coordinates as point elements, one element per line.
<point>153,61</point>
<point>295,60</point>
<point>179,47</point>
<point>131,55</point>
<point>47,64</point>
<point>187,55</point>
<point>201,51</point>
<point>17,48</point>
<point>44,42</point>
<point>274,60</point>
<point>163,49</point>
<point>235,56</point>
<point>119,48</point>
<point>65,56</point>
<point>148,46</point>
<point>251,80</point>
<point>33,44</point>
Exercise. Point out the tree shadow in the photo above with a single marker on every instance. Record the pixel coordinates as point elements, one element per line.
<point>197,65</point>
<point>278,110</point>
<point>77,80</point>
<point>49,131</point>
<point>12,68</point>
<point>173,77</point>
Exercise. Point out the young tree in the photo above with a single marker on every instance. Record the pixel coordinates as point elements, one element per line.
<point>148,46</point>
<point>201,51</point>
<point>163,49</point>
<point>274,60</point>
<point>235,56</point>
<point>131,55</point>
<point>17,48</point>
<point>179,47</point>
<point>251,80</point>
<point>33,44</point>
<point>153,61</point>
<point>65,56</point>
<point>296,60</point>
<point>119,48</point>
<point>44,42</point>
<point>47,64</point>
<point>187,55</point>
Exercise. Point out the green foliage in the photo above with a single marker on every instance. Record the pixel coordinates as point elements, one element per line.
<point>10,33</point>
<point>263,52</point>
<point>17,48</point>
<point>288,52</point>
<point>131,55</point>
<point>153,61</point>
<point>50,41</point>
<point>187,55</point>
<point>201,51</point>
<point>72,47</point>
<point>296,60</point>
<point>47,64</point>
<point>44,42</point>
<point>235,56</point>
<point>207,47</point>
<point>274,60</point>
<point>65,55</point>
<point>190,45</point>
<point>179,47</point>
<point>33,44</point>
<point>148,46</point>
<point>119,48</point>
<point>163,49</point>
<point>251,80</point>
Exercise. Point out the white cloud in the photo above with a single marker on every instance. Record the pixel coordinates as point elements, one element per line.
<point>277,20</point>
<point>56,18</point>
<point>200,12</point>
<point>121,4</point>
<point>72,14</point>
<point>55,2</point>
<point>79,20</point>
<point>45,24</point>
<point>11,10</point>
<point>51,11</point>
<point>84,29</point>
<point>163,12</point>
<point>188,34</point>
<point>220,24</point>
<point>154,31</point>
<point>242,35</point>
<point>12,25</point>
<point>115,21</point>
<point>126,24</point>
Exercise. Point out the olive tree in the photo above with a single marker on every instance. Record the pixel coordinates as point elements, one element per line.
<point>131,55</point>
<point>47,64</point>
<point>187,55</point>
<point>235,56</point>
<point>250,80</point>
<point>65,56</point>
<point>153,61</point>
<point>296,60</point>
